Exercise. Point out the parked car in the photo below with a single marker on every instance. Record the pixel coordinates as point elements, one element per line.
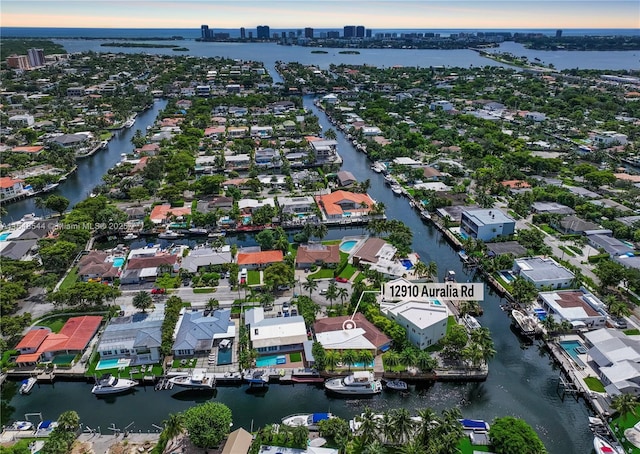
<point>323,291</point>
<point>342,279</point>
<point>158,291</point>
<point>619,322</point>
<point>282,288</point>
<point>294,312</point>
<point>285,306</point>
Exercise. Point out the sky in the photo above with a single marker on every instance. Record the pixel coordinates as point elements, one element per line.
<point>389,14</point>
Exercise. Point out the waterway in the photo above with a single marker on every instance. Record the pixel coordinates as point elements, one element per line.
<point>522,380</point>
<point>90,170</point>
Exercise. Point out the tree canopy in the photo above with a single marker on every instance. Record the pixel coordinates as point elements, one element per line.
<point>511,435</point>
<point>208,424</point>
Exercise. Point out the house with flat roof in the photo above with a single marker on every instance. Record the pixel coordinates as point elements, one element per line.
<point>137,337</point>
<point>344,204</point>
<point>618,358</point>
<point>198,330</point>
<point>543,272</point>
<point>277,334</point>
<point>424,320</point>
<point>317,254</point>
<point>486,224</point>
<point>260,259</point>
<point>73,338</point>
<point>328,334</point>
<point>205,256</point>
<point>579,307</point>
<point>297,205</point>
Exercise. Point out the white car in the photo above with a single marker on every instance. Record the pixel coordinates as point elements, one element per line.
<point>323,291</point>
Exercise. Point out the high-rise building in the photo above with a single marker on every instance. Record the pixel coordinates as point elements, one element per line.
<point>250,35</point>
<point>308,32</point>
<point>349,31</point>
<point>243,33</point>
<point>333,34</point>
<point>205,33</point>
<point>36,57</point>
<point>368,33</point>
<point>18,62</point>
<point>558,33</point>
<point>360,31</point>
<point>263,32</point>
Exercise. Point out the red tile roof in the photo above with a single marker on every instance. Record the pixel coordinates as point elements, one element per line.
<point>33,339</point>
<point>142,163</point>
<point>330,203</point>
<point>7,182</point>
<point>259,258</point>
<point>515,184</point>
<point>371,333</point>
<point>316,253</point>
<point>80,330</point>
<point>160,212</point>
<point>36,149</point>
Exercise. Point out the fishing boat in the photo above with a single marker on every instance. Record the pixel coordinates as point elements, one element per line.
<point>27,385</point>
<point>169,235</point>
<point>525,324</point>
<point>471,322</point>
<point>108,384</point>
<point>21,425</point>
<point>397,385</point>
<point>257,378</point>
<point>602,446</point>
<point>308,420</point>
<point>360,383</point>
<point>197,380</point>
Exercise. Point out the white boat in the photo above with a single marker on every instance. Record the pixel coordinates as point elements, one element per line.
<point>49,187</point>
<point>169,235</point>
<point>525,324</point>
<point>397,189</point>
<point>362,383</point>
<point>197,380</point>
<point>27,385</point>
<point>130,236</point>
<point>108,384</point>
<point>198,231</point>
<point>602,446</point>
<point>257,377</point>
<point>129,123</point>
<point>104,144</point>
<point>21,425</point>
<point>397,385</point>
<point>471,322</point>
<point>378,167</point>
<point>308,420</point>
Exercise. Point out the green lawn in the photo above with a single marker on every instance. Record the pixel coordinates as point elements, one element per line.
<point>322,273</point>
<point>70,278</point>
<point>567,251</point>
<point>295,357</point>
<point>55,323</point>
<point>204,290</point>
<point>594,384</point>
<point>623,424</point>
<point>253,277</point>
<point>451,321</point>
<point>183,363</point>
<point>348,271</point>
<point>358,278</point>
<point>329,242</point>
<point>92,372</point>
<point>631,332</point>
<point>466,447</point>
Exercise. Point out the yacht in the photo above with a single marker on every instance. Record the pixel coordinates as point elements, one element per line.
<point>169,235</point>
<point>129,123</point>
<point>378,167</point>
<point>27,385</point>
<point>130,236</point>
<point>602,446</point>
<point>397,189</point>
<point>197,380</point>
<point>308,420</point>
<point>108,384</point>
<point>525,324</point>
<point>362,383</point>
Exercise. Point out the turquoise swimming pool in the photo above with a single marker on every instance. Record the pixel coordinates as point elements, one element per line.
<point>437,303</point>
<point>573,349</point>
<point>112,363</point>
<point>4,235</point>
<point>118,262</point>
<point>271,360</point>
<point>348,245</point>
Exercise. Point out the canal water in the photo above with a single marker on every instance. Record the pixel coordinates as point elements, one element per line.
<point>79,185</point>
<point>522,382</point>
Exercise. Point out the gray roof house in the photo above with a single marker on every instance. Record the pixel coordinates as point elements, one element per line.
<point>543,272</point>
<point>197,330</point>
<point>136,337</point>
<point>204,256</point>
<point>551,208</point>
<point>575,225</point>
<point>611,246</point>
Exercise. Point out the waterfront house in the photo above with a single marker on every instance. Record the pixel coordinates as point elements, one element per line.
<point>161,214</point>
<point>205,256</point>
<point>618,358</point>
<point>379,256</point>
<point>424,320</point>
<point>300,205</point>
<point>319,254</point>
<point>72,339</point>
<point>343,204</point>
<point>261,132</point>
<point>11,188</point>
<point>486,224</point>
<point>365,336</point>
<point>222,203</point>
<point>543,272</point>
<point>579,307</point>
<point>324,150</point>
<point>237,132</point>
<point>18,250</point>
<point>136,337</point>
<point>238,442</point>
<point>346,178</point>
<point>32,229</point>
<point>71,140</point>
<point>262,259</point>
<point>98,272</point>
<point>606,139</point>
<point>197,330</point>
<point>277,334</point>
<point>237,161</point>
<point>247,206</point>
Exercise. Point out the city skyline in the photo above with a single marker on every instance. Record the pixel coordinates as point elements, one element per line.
<point>424,14</point>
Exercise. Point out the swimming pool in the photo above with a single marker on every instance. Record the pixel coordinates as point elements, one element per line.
<point>224,356</point>
<point>113,363</point>
<point>4,235</point>
<point>118,262</point>
<point>506,276</point>
<point>573,349</point>
<point>348,245</point>
<point>463,235</point>
<point>406,263</point>
<point>437,303</point>
<point>271,360</point>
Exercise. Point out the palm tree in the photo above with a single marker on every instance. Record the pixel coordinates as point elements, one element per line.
<point>365,357</point>
<point>369,429</point>
<point>426,362</point>
<point>310,285</point>
<point>300,435</point>
<point>332,358</point>
<point>375,447</point>
<point>403,425</point>
<point>619,309</point>
<point>332,293</point>
<point>212,304</point>
<point>343,294</point>
<point>473,353</point>
<point>625,404</point>
<point>69,421</point>
<point>420,269</point>
<point>408,357</point>
<point>349,358</point>
<point>391,359</point>
<point>432,270</point>
<point>428,420</point>
<point>173,426</point>
<point>142,300</point>
<point>266,299</point>
<point>320,231</point>
<point>413,447</point>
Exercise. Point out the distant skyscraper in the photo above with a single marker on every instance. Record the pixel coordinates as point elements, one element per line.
<point>360,31</point>
<point>205,33</point>
<point>250,35</point>
<point>263,32</point>
<point>308,32</point>
<point>36,57</point>
<point>18,62</point>
<point>368,33</point>
<point>349,31</point>
<point>333,35</point>
<point>558,33</point>
<point>243,33</point>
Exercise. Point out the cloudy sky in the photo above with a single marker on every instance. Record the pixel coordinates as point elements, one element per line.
<point>433,14</point>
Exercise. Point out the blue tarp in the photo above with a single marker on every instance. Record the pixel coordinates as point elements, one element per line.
<point>473,423</point>
<point>45,424</point>
<point>317,417</point>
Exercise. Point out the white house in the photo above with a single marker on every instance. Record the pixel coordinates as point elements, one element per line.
<point>486,224</point>
<point>608,138</point>
<point>136,337</point>
<point>579,307</point>
<point>535,116</point>
<point>543,272</point>
<point>205,256</point>
<point>277,334</point>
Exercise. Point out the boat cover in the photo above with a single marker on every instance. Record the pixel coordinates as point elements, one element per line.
<point>473,424</point>
<point>317,417</point>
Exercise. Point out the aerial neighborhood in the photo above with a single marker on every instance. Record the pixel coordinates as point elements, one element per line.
<point>236,242</point>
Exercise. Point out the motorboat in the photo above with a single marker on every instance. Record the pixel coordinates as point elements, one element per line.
<point>130,236</point>
<point>169,235</point>
<point>397,385</point>
<point>397,189</point>
<point>108,384</point>
<point>196,380</point>
<point>27,385</point>
<point>378,167</point>
<point>49,187</point>
<point>130,122</point>
<point>525,324</point>
<point>21,425</point>
<point>257,378</point>
<point>450,276</point>
<point>198,231</point>
<point>602,446</point>
<point>46,427</point>
<point>308,420</point>
<point>474,424</point>
<point>360,383</point>
<point>471,322</point>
